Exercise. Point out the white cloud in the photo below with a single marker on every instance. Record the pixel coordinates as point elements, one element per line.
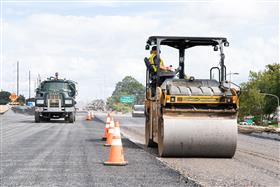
<point>98,51</point>
<point>85,49</point>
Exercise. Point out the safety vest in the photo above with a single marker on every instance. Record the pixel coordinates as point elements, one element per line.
<point>152,62</point>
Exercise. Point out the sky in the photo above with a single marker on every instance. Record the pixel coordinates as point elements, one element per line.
<point>98,43</point>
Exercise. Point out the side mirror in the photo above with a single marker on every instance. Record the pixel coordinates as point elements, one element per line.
<point>226,44</point>
<point>216,48</point>
<point>147,47</point>
<point>70,93</point>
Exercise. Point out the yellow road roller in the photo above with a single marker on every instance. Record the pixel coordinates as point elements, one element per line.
<point>187,116</point>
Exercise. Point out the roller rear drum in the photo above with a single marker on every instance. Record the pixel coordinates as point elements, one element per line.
<point>192,137</point>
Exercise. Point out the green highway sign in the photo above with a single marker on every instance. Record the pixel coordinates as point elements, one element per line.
<point>127,99</point>
<point>249,121</point>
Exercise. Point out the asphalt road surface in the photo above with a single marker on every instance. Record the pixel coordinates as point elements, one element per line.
<point>256,161</point>
<point>63,154</point>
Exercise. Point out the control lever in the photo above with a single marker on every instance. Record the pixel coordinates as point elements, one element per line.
<point>177,70</point>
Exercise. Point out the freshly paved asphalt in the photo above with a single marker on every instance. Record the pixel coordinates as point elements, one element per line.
<point>63,154</point>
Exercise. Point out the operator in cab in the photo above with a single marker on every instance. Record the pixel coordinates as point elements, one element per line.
<point>152,60</point>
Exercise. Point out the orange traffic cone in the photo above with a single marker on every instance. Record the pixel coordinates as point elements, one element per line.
<point>91,115</point>
<point>116,157</point>
<point>110,133</point>
<point>106,127</point>
<point>88,116</point>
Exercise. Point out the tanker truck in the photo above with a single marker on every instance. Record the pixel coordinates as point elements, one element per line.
<point>55,98</point>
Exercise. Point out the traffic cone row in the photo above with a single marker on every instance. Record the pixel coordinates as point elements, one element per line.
<point>112,135</point>
<point>108,119</point>
<point>91,115</point>
<point>88,116</point>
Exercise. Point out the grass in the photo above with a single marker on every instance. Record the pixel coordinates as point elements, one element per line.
<point>274,125</point>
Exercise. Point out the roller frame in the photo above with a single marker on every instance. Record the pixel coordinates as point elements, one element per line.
<point>183,131</point>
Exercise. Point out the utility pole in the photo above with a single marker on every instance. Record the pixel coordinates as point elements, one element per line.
<point>39,79</point>
<point>35,84</point>
<point>29,82</point>
<point>17,78</point>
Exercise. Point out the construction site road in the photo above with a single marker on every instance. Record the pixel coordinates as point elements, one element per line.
<point>63,154</point>
<point>256,161</point>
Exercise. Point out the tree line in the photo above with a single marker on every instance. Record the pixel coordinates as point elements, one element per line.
<point>129,86</point>
<point>253,99</point>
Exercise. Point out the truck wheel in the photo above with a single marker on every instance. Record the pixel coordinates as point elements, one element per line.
<point>74,117</point>
<point>71,117</point>
<point>37,117</point>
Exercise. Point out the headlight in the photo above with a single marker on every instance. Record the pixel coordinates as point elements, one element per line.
<point>68,102</point>
<point>172,99</point>
<point>39,101</point>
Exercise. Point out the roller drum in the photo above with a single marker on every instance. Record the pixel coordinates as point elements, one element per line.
<point>196,137</point>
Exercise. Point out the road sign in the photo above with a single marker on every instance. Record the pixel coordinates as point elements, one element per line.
<point>13,97</point>
<point>249,121</point>
<point>127,99</point>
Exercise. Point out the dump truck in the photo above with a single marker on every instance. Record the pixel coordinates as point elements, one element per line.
<point>188,116</point>
<point>55,98</point>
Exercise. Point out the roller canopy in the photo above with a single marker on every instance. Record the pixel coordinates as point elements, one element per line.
<point>185,42</point>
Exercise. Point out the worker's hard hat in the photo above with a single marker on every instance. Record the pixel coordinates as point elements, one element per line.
<point>154,48</point>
